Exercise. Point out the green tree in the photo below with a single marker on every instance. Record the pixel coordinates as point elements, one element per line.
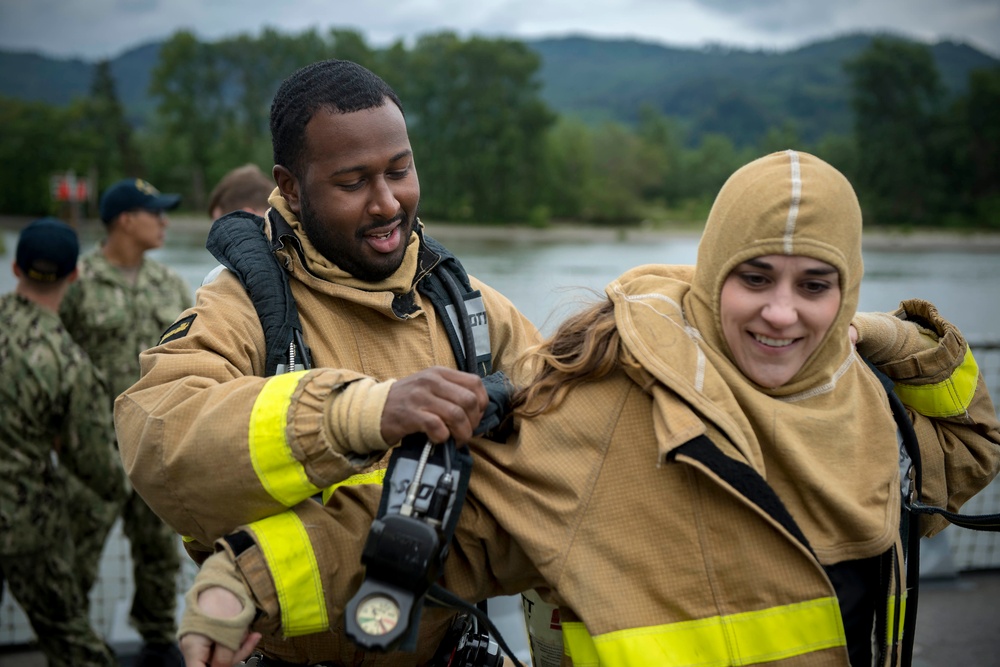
<point>102,121</point>
<point>708,166</point>
<point>569,176</point>
<point>897,96</point>
<point>188,84</point>
<point>779,138</point>
<point>36,142</point>
<point>736,114</point>
<point>87,136</point>
<point>621,177</point>
<point>477,124</point>
<point>351,45</point>
<point>246,68</point>
<point>659,155</point>
<point>982,146</point>
<point>842,152</point>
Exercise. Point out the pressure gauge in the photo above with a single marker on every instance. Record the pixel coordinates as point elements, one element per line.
<point>377,615</point>
<point>404,551</point>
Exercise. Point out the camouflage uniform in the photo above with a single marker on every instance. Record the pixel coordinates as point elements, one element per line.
<point>49,427</point>
<point>114,320</point>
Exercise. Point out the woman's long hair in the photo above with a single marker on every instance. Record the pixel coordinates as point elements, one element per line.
<point>585,347</point>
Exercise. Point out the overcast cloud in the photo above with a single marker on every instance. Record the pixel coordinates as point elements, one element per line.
<point>94,29</point>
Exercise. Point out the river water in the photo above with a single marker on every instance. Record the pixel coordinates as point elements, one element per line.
<point>548,279</point>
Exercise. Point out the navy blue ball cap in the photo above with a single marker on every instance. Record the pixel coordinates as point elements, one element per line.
<point>134,193</point>
<point>47,250</point>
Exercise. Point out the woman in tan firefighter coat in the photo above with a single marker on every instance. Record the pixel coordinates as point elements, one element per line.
<point>707,473</point>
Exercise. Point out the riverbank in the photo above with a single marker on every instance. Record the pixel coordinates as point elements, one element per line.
<point>883,240</point>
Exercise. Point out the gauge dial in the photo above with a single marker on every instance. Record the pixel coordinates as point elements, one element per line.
<point>377,615</point>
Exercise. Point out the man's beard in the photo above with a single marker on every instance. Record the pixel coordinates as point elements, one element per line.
<point>346,259</point>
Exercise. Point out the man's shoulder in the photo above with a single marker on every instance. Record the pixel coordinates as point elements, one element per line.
<point>22,315</point>
<point>98,282</point>
<point>92,264</point>
<point>152,267</point>
<point>39,337</point>
<point>167,278</point>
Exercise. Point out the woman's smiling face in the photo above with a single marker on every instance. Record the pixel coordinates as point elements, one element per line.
<point>775,311</point>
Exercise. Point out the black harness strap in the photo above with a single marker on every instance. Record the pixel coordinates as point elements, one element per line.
<point>238,242</point>
<point>445,282</point>
<point>909,524</point>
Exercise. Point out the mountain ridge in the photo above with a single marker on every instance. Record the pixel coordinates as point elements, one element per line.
<point>734,91</point>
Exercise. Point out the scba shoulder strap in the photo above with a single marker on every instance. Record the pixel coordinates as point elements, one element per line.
<point>238,242</point>
<point>459,307</point>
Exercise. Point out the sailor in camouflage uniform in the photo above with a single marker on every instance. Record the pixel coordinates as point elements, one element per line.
<point>119,307</point>
<point>49,428</point>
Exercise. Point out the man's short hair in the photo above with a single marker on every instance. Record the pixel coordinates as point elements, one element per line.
<point>245,187</point>
<point>337,86</point>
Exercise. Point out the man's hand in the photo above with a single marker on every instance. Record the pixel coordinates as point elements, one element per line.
<point>201,651</point>
<point>441,402</point>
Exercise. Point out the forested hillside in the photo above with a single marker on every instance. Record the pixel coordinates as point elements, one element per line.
<point>738,93</point>
<point>528,132</point>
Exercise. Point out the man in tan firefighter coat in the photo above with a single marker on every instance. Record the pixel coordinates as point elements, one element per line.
<point>212,444</point>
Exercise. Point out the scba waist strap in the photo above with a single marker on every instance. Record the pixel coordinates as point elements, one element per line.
<point>264,661</point>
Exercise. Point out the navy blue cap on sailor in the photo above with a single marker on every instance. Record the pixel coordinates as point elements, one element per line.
<point>134,193</point>
<point>47,250</point>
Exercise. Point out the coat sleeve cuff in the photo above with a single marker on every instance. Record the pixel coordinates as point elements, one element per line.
<point>353,417</point>
<point>914,345</point>
<point>934,371</point>
<point>934,363</point>
<point>884,337</point>
<point>328,460</point>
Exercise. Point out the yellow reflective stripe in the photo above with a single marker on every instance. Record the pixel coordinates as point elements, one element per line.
<point>891,604</point>
<point>739,639</point>
<point>372,477</point>
<point>944,399</point>
<point>902,613</point>
<point>282,476</point>
<point>292,563</point>
<point>579,645</point>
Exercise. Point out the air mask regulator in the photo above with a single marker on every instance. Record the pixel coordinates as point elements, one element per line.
<point>422,495</point>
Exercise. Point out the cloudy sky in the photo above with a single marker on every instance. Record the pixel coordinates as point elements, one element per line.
<point>94,29</point>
